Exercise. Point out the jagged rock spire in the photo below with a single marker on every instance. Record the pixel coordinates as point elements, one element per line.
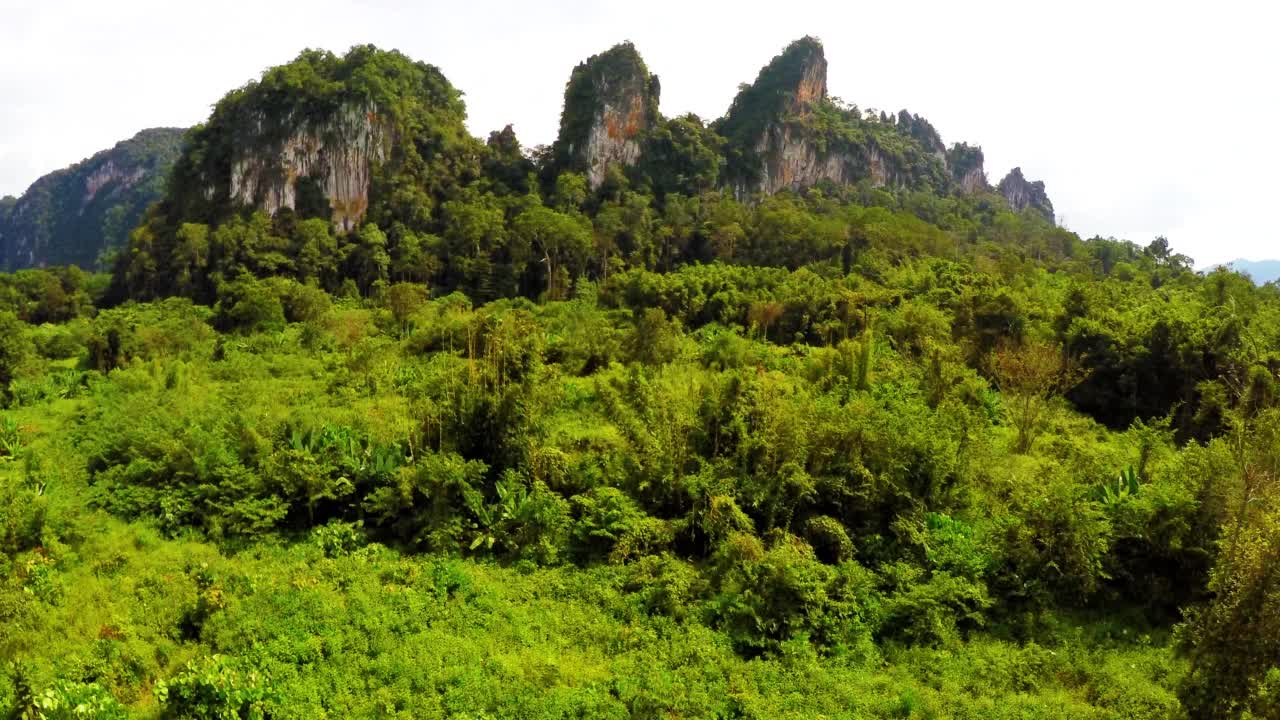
<point>1022,194</point>
<point>610,102</point>
<point>791,84</point>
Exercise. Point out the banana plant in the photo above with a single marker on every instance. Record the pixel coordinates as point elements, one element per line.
<point>494,522</point>
<point>360,457</point>
<point>10,439</point>
<point>1119,490</point>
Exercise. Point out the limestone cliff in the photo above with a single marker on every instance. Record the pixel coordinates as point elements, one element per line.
<point>610,103</point>
<point>1023,194</point>
<point>321,136</point>
<point>336,153</point>
<point>370,135</point>
<point>784,132</point>
<point>73,215</point>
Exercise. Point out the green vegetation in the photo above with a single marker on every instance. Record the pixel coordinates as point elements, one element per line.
<point>724,490</point>
<point>516,448</point>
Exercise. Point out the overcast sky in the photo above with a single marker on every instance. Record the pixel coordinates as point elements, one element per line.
<point>1142,118</point>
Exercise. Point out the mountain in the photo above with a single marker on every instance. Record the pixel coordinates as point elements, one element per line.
<point>71,216</point>
<point>790,414</point>
<point>316,135</point>
<point>1262,271</point>
<point>375,144</point>
<point>783,132</point>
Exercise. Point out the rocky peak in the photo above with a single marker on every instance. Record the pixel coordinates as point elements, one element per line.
<point>610,103</point>
<point>965,163</point>
<point>790,85</point>
<point>808,62</point>
<point>1022,194</point>
<point>784,132</point>
<point>313,135</point>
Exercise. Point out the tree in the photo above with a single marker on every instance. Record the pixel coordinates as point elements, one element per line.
<point>570,192</point>
<point>404,299</point>
<point>191,257</point>
<point>249,305</point>
<point>1234,640</point>
<point>371,257</point>
<point>14,350</point>
<point>564,242</point>
<point>315,250</point>
<point>473,229</point>
<point>1029,377</point>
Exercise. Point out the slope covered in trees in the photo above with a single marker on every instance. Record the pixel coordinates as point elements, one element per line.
<point>502,443</point>
<point>79,215</point>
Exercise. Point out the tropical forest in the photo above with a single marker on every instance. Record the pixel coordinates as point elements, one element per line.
<point>327,408</point>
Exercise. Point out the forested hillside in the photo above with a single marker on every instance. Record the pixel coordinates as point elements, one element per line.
<point>786,415</point>
<point>79,215</point>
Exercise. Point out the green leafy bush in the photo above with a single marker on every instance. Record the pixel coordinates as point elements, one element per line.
<point>217,688</point>
<point>66,700</point>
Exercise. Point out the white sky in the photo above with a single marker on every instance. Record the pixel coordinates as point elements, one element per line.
<point>1142,118</point>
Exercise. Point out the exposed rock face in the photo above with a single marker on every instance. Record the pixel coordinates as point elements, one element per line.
<point>1022,194</point>
<point>71,216</point>
<point>610,103</point>
<point>973,181</point>
<point>107,174</point>
<point>789,161</point>
<point>966,166</point>
<point>812,88</point>
<point>338,154</point>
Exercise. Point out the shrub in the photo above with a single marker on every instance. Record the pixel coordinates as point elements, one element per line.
<point>67,700</point>
<point>248,306</point>
<point>216,688</point>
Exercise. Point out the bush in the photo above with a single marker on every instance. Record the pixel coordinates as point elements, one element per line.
<point>769,596</point>
<point>57,342</point>
<point>248,306</point>
<point>217,688</point>
<point>304,303</point>
<point>67,700</point>
<point>15,348</point>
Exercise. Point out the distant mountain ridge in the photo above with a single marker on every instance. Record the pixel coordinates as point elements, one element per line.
<point>71,216</point>
<point>1262,271</point>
